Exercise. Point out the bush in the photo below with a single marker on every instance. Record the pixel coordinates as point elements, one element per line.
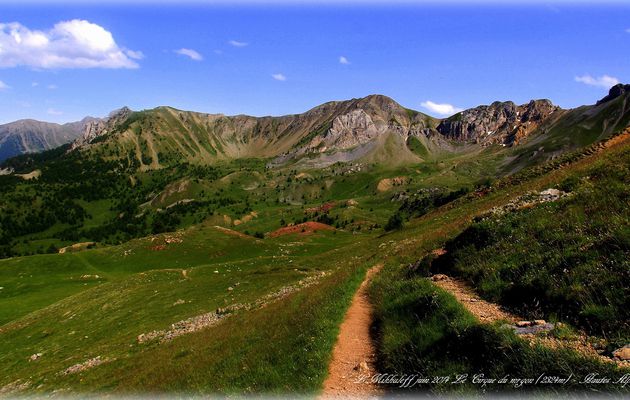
<point>395,222</point>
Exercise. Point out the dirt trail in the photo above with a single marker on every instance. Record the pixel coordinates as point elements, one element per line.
<point>483,310</point>
<point>354,353</point>
<point>487,312</point>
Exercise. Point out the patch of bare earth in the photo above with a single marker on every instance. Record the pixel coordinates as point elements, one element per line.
<point>305,228</point>
<point>354,354</point>
<point>487,312</point>
<point>484,311</point>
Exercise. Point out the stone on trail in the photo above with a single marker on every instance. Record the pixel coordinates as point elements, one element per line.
<point>439,277</point>
<point>622,353</point>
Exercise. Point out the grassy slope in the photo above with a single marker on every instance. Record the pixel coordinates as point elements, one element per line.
<point>137,294</point>
<point>564,260</point>
<point>407,330</point>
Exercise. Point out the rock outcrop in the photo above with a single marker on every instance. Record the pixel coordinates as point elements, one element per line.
<point>348,130</point>
<point>101,127</point>
<point>499,123</point>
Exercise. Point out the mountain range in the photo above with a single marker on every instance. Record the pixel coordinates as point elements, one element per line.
<point>167,251</point>
<point>370,129</point>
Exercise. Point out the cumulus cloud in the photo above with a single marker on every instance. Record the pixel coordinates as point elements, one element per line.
<point>69,44</point>
<point>236,43</point>
<point>279,77</point>
<point>3,86</point>
<point>343,60</point>
<point>603,81</point>
<point>52,111</point>
<point>443,109</point>
<point>194,55</point>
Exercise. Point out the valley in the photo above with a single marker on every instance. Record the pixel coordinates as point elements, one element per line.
<point>167,251</point>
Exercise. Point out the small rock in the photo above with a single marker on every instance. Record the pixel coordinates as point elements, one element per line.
<point>362,367</point>
<point>35,356</point>
<point>439,277</point>
<point>539,322</point>
<point>523,324</point>
<point>622,353</point>
<point>230,289</point>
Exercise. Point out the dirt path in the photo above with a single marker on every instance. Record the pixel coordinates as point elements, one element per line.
<point>487,312</point>
<point>481,309</point>
<point>354,353</point>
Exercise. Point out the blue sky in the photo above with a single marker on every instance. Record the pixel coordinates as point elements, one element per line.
<point>282,58</point>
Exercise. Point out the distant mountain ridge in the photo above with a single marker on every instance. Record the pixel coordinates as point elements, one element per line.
<point>31,136</point>
<point>373,129</point>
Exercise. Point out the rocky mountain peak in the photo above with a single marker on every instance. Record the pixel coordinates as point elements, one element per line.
<point>618,90</point>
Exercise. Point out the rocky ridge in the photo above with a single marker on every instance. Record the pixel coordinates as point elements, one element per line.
<point>502,123</point>
<point>100,127</point>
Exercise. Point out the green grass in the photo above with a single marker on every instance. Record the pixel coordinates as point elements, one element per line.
<point>282,347</point>
<point>423,330</point>
<point>48,306</point>
<point>566,260</point>
<point>416,146</point>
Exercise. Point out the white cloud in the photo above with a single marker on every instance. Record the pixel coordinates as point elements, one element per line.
<point>34,84</point>
<point>52,87</point>
<point>3,86</point>
<point>69,44</point>
<point>236,43</point>
<point>628,30</point>
<point>136,55</point>
<point>343,60</point>
<point>52,111</point>
<point>440,108</point>
<point>279,77</point>
<point>603,81</point>
<point>194,55</point>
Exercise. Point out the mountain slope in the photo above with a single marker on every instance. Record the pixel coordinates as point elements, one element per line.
<point>31,136</point>
<point>374,129</point>
<point>165,136</point>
